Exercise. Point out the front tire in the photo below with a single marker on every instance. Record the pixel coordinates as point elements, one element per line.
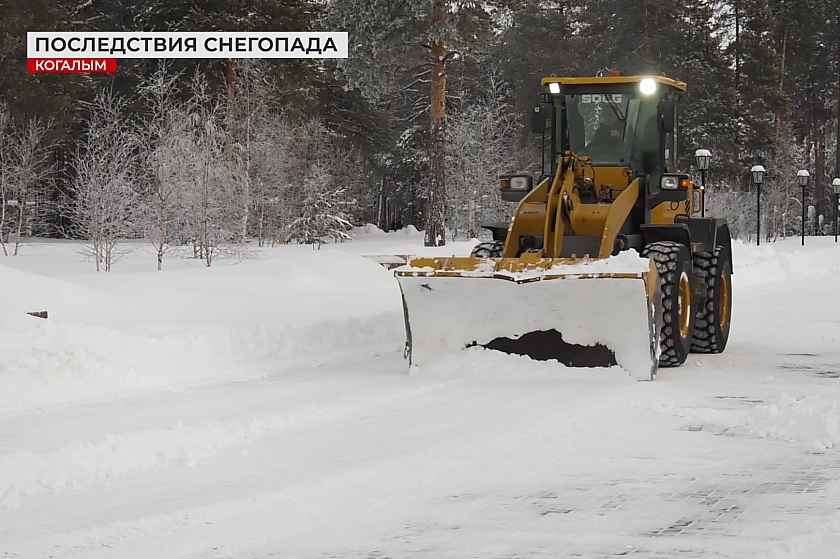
<point>673,263</point>
<point>711,332</point>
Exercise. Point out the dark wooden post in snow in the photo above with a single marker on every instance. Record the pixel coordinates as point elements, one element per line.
<point>435,232</point>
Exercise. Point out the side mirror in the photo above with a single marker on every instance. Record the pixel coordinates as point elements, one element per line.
<point>538,125</point>
<point>666,110</point>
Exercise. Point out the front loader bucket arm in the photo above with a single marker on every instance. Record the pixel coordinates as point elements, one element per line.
<point>529,216</point>
<point>543,211</point>
<point>619,211</point>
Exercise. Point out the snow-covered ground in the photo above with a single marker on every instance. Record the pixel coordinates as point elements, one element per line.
<point>262,408</point>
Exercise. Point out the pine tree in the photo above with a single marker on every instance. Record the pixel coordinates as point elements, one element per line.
<point>325,212</point>
<point>398,49</point>
<point>51,97</point>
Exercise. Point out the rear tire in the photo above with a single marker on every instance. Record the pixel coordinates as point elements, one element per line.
<point>711,330</point>
<point>673,263</point>
<point>491,249</point>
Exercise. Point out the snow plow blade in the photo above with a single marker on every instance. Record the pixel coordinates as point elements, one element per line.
<point>583,313</point>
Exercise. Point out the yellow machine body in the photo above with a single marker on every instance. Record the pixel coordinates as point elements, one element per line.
<point>565,283</point>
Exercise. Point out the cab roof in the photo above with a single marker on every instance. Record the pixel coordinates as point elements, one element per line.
<point>596,80</point>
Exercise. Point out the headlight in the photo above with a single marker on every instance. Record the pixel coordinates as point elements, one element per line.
<point>554,88</point>
<point>673,182</point>
<point>670,183</point>
<point>520,183</point>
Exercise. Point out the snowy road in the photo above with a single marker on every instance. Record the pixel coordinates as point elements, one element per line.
<point>489,456</point>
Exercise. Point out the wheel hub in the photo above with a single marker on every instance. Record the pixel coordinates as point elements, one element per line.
<point>723,309</point>
<point>684,304</point>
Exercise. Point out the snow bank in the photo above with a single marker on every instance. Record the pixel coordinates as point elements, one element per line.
<point>784,259</point>
<point>813,421</point>
<point>46,362</point>
<point>821,542</point>
<point>132,332</point>
<point>368,229</point>
<point>406,242</point>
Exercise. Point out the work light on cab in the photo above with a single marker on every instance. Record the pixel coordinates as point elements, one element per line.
<point>647,86</point>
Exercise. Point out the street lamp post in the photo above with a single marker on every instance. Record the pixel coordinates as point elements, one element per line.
<point>836,186</point>
<point>703,157</point>
<point>758,178</point>
<point>802,177</point>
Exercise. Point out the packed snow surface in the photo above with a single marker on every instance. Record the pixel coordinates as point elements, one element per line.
<point>262,408</point>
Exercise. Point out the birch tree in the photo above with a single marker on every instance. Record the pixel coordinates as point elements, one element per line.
<point>6,162</point>
<point>253,115</point>
<point>31,168</point>
<point>166,143</point>
<point>483,139</point>
<point>275,166</point>
<point>24,171</point>
<point>105,165</point>
<point>209,196</point>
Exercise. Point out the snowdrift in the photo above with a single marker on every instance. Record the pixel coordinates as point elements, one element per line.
<point>136,330</point>
<point>131,332</point>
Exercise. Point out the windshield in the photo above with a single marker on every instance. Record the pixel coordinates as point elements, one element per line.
<point>602,126</point>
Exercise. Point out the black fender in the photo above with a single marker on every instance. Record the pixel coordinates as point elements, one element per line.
<point>707,233</point>
<point>702,231</point>
<point>499,230</point>
<point>723,239</point>
<point>677,232</point>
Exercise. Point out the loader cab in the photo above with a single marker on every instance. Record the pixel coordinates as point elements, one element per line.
<point>625,125</point>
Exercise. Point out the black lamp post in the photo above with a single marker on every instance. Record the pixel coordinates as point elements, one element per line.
<point>802,177</point>
<point>703,157</point>
<point>758,178</point>
<point>835,184</point>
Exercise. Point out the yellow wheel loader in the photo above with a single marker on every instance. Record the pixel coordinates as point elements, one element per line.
<point>605,261</point>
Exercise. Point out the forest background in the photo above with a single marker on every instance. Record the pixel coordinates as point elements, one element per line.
<point>414,128</point>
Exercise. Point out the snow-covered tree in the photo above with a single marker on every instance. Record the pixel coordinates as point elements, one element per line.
<point>32,169</point>
<point>252,116</point>
<point>6,163</point>
<point>25,168</point>
<point>278,165</point>
<point>209,195</point>
<point>104,201</point>
<point>483,139</point>
<point>166,143</point>
<point>401,48</point>
<point>324,211</point>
